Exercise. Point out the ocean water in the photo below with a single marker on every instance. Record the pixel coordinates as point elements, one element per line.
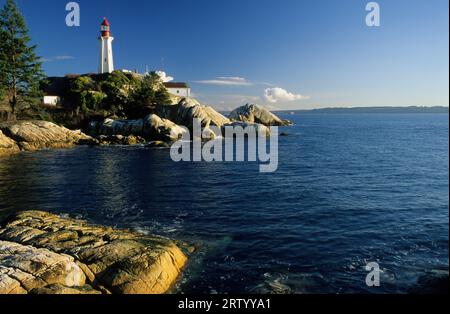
<point>350,189</point>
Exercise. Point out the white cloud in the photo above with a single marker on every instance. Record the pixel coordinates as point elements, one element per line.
<point>278,94</point>
<point>232,78</point>
<point>164,77</point>
<point>227,81</point>
<point>57,58</point>
<point>63,58</point>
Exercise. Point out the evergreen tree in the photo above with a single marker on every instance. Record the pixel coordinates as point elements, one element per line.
<point>147,96</point>
<point>20,69</point>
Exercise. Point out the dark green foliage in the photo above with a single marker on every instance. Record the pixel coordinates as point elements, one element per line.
<point>116,95</point>
<point>20,69</point>
<point>116,87</point>
<point>2,92</point>
<point>94,100</point>
<point>2,76</point>
<point>149,93</point>
<point>82,96</point>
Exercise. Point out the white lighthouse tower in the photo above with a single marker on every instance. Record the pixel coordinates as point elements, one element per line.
<point>106,54</point>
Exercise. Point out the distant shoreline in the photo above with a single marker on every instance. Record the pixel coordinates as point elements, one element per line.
<point>367,110</point>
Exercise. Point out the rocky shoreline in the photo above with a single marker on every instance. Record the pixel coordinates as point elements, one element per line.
<point>166,125</point>
<point>36,135</point>
<point>42,253</point>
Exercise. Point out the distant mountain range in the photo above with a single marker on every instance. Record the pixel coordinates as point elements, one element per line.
<point>411,109</point>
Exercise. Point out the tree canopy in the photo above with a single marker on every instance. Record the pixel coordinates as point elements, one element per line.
<point>20,67</point>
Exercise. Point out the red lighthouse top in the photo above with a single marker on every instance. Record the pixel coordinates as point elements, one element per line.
<point>105,28</point>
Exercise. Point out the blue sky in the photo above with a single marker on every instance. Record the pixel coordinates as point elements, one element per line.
<point>306,54</point>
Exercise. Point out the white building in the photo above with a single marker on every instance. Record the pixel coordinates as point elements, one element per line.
<point>106,64</point>
<point>51,100</point>
<point>178,89</point>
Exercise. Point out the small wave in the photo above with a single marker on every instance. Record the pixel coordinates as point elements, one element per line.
<point>273,284</point>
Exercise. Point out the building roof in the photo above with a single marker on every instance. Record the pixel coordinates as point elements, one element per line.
<point>105,22</point>
<point>176,85</point>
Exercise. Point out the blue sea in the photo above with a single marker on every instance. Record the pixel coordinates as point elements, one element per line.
<point>350,189</point>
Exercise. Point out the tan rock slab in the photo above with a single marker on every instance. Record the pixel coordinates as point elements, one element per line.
<point>119,261</point>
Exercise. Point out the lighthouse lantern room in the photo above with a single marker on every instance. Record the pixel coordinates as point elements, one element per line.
<point>106,54</point>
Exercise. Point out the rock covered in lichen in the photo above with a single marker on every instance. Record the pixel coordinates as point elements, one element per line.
<point>120,140</point>
<point>24,268</point>
<point>187,110</point>
<point>62,289</point>
<point>36,135</point>
<point>108,260</point>
<point>7,145</point>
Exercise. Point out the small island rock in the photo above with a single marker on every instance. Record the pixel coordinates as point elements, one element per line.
<point>257,114</point>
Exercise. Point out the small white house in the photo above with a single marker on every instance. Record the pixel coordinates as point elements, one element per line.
<point>51,100</point>
<point>178,89</point>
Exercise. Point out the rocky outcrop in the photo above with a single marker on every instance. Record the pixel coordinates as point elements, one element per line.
<point>163,129</point>
<point>158,144</point>
<point>36,135</point>
<point>7,145</point>
<point>24,268</point>
<point>62,289</point>
<point>152,127</point>
<point>110,127</point>
<point>259,129</point>
<point>120,140</point>
<point>186,110</point>
<point>46,253</point>
<point>166,124</point>
<point>256,114</point>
